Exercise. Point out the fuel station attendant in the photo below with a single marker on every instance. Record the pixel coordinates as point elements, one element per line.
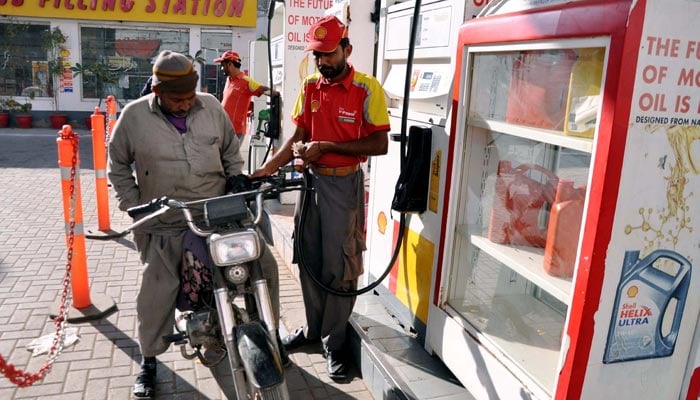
<point>341,118</point>
<point>239,89</point>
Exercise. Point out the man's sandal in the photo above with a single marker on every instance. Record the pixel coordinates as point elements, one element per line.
<point>145,386</point>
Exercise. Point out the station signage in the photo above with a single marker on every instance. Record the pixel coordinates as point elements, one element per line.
<point>195,12</point>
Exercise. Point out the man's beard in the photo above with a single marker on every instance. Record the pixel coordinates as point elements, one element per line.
<point>166,110</point>
<point>329,72</point>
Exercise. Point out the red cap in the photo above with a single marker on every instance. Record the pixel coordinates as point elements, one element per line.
<point>229,55</point>
<point>325,35</point>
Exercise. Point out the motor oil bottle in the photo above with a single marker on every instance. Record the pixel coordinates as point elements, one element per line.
<point>639,328</point>
<point>563,229</point>
<point>584,98</point>
<point>518,202</point>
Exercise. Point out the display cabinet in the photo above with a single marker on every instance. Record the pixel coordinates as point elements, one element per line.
<point>530,128</point>
<point>570,223</point>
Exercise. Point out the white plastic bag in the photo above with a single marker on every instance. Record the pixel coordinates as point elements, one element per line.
<point>42,345</point>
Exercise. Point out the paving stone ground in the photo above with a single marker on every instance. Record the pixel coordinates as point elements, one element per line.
<point>104,362</point>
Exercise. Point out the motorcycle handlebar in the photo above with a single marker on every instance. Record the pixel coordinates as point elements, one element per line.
<point>260,188</point>
<point>152,206</point>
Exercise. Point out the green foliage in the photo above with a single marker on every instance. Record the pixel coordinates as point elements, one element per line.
<point>26,46</point>
<point>197,58</point>
<point>97,70</point>
<point>14,29</point>
<point>12,105</point>
<point>53,42</point>
<point>14,41</point>
<point>100,74</point>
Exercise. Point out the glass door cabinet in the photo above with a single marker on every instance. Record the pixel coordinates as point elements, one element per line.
<point>519,200</point>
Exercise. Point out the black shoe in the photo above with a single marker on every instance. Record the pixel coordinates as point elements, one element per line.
<point>297,339</point>
<point>145,386</point>
<point>284,357</point>
<point>336,365</point>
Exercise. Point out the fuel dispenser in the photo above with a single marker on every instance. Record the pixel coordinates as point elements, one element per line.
<point>406,292</point>
<point>262,130</point>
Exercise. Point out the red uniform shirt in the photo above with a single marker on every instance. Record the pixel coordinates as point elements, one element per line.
<point>340,112</point>
<point>236,99</point>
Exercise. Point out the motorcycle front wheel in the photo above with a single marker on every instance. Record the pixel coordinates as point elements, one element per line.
<point>225,380</point>
<point>263,367</point>
<point>276,393</point>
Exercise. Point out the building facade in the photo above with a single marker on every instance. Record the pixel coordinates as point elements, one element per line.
<point>69,55</point>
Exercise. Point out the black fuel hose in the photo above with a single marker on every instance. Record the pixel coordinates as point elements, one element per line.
<point>299,249</point>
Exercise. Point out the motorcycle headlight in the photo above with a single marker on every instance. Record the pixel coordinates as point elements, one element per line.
<point>234,248</point>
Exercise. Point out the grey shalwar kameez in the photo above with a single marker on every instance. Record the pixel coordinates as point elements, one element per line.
<point>334,219</point>
<point>184,166</point>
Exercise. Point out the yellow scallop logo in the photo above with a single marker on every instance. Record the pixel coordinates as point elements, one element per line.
<point>632,291</point>
<point>315,105</point>
<point>320,33</point>
<point>381,222</point>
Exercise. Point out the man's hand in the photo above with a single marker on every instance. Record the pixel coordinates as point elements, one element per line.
<point>265,170</point>
<point>237,183</point>
<point>307,152</point>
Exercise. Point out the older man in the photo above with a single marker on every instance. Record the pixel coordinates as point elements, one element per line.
<point>182,146</point>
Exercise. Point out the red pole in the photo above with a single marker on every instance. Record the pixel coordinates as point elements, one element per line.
<point>69,164</point>
<point>99,157</point>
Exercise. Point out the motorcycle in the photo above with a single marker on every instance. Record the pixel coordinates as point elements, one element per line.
<point>224,310</point>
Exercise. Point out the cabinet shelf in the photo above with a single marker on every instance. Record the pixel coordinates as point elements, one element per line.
<point>526,261</point>
<point>527,331</point>
<point>537,134</point>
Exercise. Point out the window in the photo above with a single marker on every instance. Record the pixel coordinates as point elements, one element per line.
<point>24,60</point>
<point>214,43</point>
<point>118,61</point>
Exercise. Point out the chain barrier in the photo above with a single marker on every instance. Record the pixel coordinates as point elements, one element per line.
<point>20,377</point>
<point>111,120</point>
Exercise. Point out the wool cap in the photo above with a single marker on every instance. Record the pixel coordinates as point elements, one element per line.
<point>229,55</point>
<point>174,72</point>
<point>325,34</point>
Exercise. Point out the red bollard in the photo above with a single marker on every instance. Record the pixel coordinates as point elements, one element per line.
<point>69,164</point>
<point>99,157</point>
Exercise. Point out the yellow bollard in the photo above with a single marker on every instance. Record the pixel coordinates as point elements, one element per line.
<point>99,157</point>
<point>69,164</point>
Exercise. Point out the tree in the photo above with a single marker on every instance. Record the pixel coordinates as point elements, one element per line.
<point>100,73</point>
<point>53,41</point>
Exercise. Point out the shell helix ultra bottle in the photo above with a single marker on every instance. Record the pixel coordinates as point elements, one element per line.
<point>648,306</point>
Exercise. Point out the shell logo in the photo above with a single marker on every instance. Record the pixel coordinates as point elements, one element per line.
<point>320,33</point>
<point>632,291</point>
<point>315,105</point>
<point>381,222</point>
